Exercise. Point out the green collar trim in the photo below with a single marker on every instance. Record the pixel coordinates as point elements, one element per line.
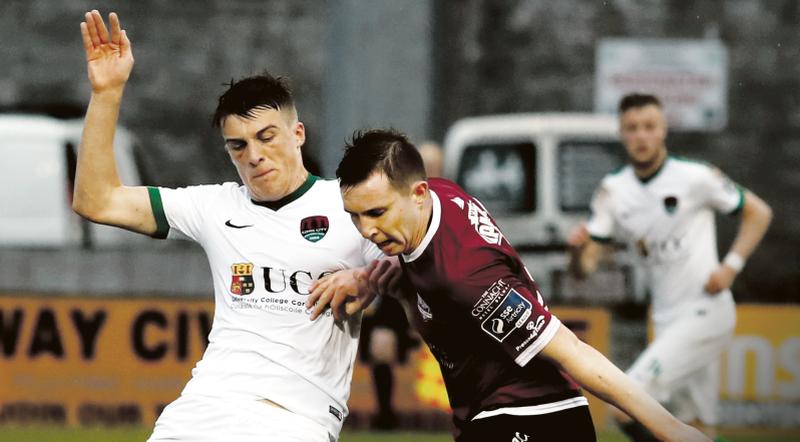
<point>647,179</point>
<point>275,205</point>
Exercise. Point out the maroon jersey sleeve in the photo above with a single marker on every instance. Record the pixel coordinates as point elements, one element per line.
<point>509,312</point>
<point>487,277</point>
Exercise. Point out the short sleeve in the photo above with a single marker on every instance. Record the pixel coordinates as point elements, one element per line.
<point>601,221</point>
<point>183,209</point>
<point>507,311</point>
<point>721,193</point>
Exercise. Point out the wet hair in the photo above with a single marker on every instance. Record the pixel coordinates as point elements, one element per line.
<point>261,91</point>
<point>637,100</point>
<point>382,150</point>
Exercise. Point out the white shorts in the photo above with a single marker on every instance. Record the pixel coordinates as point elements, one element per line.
<point>680,368</point>
<point>205,418</point>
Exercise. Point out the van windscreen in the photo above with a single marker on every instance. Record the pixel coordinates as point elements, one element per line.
<point>501,175</point>
<point>581,166</point>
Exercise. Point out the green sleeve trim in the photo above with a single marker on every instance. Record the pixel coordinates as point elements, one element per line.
<point>601,239</point>
<point>162,225</point>
<point>739,206</point>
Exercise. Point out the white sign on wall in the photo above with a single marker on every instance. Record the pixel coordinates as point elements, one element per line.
<point>689,76</point>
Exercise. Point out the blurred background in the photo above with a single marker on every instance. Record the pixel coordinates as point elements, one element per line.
<point>729,72</point>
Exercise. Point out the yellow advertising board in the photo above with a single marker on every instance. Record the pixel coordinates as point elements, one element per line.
<point>96,361</point>
<point>86,361</point>
<point>761,368</point>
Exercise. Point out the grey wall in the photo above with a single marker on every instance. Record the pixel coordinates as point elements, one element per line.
<point>378,71</point>
<point>420,65</point>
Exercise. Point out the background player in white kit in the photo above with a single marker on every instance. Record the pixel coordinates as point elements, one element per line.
<point>269,373</point>
<point>664,208</point>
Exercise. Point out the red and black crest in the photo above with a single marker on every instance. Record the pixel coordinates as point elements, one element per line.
<point>242,279</point>
<point>314,228</point>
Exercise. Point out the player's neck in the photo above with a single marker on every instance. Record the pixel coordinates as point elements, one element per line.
<point>425,222</point>
<point>645,171</point>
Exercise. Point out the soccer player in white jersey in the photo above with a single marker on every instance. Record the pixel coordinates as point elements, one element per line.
<point>269,372</point>
<point>664,207</point>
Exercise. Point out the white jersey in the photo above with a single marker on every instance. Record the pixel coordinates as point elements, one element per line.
<point>262,343</point>
<point>668,220</point>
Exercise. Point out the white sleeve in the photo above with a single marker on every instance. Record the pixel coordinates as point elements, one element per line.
<point>182,209</point>
<point>721,193</point>
<point>601,222</point>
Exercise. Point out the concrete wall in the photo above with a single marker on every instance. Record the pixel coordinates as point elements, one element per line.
<point>420,65</point>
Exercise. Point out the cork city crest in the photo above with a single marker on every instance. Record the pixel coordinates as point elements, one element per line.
<point>242,279</point>
<point>314,228</point>
<point>671,204</point>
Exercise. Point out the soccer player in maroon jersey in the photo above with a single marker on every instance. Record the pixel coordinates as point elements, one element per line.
<point>503,355</point>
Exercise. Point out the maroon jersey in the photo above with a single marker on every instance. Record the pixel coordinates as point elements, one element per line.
<point>482,315</point>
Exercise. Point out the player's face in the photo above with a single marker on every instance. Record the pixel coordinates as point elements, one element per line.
<point>643,130</point>
<point>389,217</point>
<point>266,151</point>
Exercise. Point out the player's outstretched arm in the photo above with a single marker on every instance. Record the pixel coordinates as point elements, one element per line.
<point>598,375</point>
<point>99,195</point>
<point>756,217</point>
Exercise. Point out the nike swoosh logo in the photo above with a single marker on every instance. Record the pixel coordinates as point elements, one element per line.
<point>230,224</point>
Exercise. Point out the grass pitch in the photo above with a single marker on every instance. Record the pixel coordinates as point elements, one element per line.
<point>131,434</point>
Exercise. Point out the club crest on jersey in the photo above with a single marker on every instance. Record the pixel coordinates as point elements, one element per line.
<point>242,279</point>
<point>314,228</point>
<point>671,204</point>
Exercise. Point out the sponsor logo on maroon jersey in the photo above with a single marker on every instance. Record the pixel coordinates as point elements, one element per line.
<point>490,299</point>
<point>483,224</point>
<point>511,314</point>
<point>519,437</point>
<point>242,279</point>
<point>424,309</point>
<point>314,228</point>
<point>534,327</point>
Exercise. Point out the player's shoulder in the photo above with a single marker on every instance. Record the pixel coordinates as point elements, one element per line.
<point>452,200</point>
<point>325,192</point>
<point>210,191</point>
<point>690,165</point>
<point>464,221</point>
<point>691,170</point>
<point>620,177</point>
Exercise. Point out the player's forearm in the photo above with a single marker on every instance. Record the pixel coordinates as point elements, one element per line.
<point>603,379</point>
<point>756,218</point>
<point>598,375</point>
<point>96,175</point>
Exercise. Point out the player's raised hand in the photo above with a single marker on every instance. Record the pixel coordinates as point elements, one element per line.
<point>108,56</point>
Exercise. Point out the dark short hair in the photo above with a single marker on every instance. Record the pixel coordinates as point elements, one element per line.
<point>637,100</point>
<point>261,91</point>
<point>381,150</point>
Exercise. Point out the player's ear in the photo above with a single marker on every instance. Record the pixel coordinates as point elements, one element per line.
<point>420,191</point>
<point>300,133</point>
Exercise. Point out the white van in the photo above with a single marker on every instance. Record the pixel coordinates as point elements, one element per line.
<point>37,168</point>
<point>536,173</point>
